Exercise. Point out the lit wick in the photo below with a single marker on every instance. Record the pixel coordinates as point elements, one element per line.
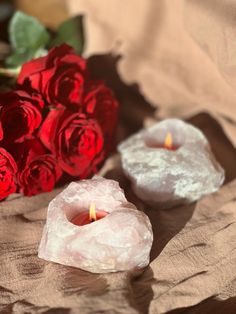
<point>168,144</point>
<point>88,216</point>
<point>92,213</point>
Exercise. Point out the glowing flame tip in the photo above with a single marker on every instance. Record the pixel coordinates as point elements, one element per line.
<point>168,141</point>
<point>92,212</point>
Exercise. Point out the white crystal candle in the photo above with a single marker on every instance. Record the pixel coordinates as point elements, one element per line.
<point>120,239</point>
<point>170,163</point>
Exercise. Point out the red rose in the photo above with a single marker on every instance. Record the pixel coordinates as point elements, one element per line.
<point>99,103</point>
<point>38,170</point>
<point>76,141</point>
<point>59,76</point>
<point>20,115</point>
<point>8,169</point>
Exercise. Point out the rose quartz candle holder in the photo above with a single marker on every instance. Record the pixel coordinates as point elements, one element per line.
<point>120,240</point>
<point>168,175</point>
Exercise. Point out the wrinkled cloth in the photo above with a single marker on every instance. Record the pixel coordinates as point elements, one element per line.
<point>180,52</point>
<point>176,59</point>
<point>192,260</point>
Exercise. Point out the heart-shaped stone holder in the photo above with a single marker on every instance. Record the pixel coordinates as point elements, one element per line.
<point>120,241</point>
<point>166,177</point>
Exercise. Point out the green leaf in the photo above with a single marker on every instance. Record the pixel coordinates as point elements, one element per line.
<point>17,59</point>
<point>26,32</point>
<point>71,32</point>
<point>28,37</point>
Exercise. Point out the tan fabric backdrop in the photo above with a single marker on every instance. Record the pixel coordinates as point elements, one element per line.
<point>182,53</point>
<point>162,58</point>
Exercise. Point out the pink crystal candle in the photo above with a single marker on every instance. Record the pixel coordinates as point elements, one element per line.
<point>170,163</point>
<point>92,226</point>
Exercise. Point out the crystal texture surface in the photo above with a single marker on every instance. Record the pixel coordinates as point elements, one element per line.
<point>120,241</point>
<point>168,177</point>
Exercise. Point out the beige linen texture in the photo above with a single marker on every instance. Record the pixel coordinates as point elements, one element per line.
<point>177,58</point>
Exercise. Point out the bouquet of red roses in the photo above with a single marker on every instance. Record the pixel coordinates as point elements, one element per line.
<point>54,121</point>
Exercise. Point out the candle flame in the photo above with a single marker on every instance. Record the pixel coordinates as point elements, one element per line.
<point>168,141</point>
<point>92,212</point>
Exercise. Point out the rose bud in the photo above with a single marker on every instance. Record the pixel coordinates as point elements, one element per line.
<point>59,76</point>
<point>75,140</point>
<point>8,169</point>
<point>99,103</point>
<point>38,170</point>
<point>20,115</point>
